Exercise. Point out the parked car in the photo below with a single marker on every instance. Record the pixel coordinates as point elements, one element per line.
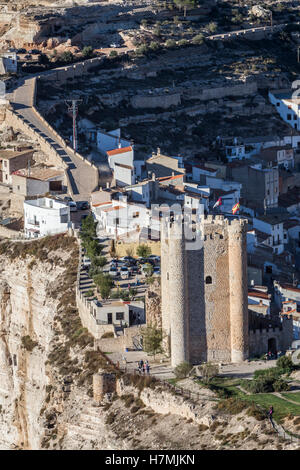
<point>72,205</point>
<point>82,205</point>
<point>21,51</point>
<point>34,51</point>
<point>155,258</point>
<point>113,271</point>
<point>156,271</point>
<point>124,272</point>
<point>67,199</point>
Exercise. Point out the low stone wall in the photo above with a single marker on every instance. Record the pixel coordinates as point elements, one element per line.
<point>87,319</point>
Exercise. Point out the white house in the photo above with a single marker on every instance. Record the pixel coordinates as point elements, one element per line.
<point>45,216</point>
<point>272,225</point>
<point>287,105</point>
<point>8,63</point>
<point>259,300</point>
<point>120,155</point>
<point>124,174</point>
<point>200,172</point>
<point>110,140</point>
<point>120,217</point>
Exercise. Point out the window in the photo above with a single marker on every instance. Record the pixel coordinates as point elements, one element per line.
<point>135,215</point>
<point>295,117</point>
<point>278,103</point>
<point>119,316</point>
<point>64,219</point>
<point>289,117</point>
<point>208,280</point>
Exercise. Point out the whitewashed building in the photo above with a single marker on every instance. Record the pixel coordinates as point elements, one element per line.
<point>110,140</point>
<point>272,226</point>
<point>287,105</point>
<point>45,216</point>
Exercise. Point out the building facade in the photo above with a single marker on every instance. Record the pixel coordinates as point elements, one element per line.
<point>45,216</point>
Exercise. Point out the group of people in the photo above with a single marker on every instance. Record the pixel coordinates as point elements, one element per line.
<point>143,367</point>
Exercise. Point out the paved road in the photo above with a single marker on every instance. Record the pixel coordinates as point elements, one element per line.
<point>81,175</point>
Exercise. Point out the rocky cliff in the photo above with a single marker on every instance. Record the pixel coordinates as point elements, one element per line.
<point>47,363</point>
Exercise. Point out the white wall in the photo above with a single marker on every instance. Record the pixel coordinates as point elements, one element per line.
<point>38,215</point>
<point>110,140</point>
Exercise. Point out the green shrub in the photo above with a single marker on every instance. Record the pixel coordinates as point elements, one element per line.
<point>280,385</point>
<point>285,363</point>
<point>182,370</point>
<point>198,39</point>
<point>108,334</point>
<point>232,405</point>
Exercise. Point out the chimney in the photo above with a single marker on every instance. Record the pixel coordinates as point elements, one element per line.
<point>158,150</point>
<point>153,177</point>
<point>107,185</point>
<point>173,173</point>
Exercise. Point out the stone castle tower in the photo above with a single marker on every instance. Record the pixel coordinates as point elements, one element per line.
<point>204,291</point>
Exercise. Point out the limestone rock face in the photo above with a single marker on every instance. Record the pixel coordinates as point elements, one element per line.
<point>25,310</point>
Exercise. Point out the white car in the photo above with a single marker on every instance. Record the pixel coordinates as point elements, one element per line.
<point>113,272</point>
<point>124,273</point>
<point>73,206</point>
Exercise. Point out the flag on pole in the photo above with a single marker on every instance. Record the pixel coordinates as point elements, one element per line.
<point>235,208</point>
<point>218,203</point>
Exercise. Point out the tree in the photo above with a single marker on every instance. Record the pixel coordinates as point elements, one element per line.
<point>113,54</point>
<point>112,249</point>
<point>209,371</point>
<point>148,269</point>
<point>154,45</point>
<point>143,251</point>
<point>212,27</point>
<point>87,51</point>
<point>67,57</point>
<point>185,4</point>
<point>170,43</point>
<point>129,252</point>
<point>285,363</point>
<point>152,339</point>
<point>198,39</point>
<point>182,370</point>
<point>104,283</point>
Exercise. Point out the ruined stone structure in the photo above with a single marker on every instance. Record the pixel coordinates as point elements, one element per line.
<point>204,291</point>
<point>103,383</point>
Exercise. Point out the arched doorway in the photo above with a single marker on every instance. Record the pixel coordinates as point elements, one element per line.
<point>272,345</point>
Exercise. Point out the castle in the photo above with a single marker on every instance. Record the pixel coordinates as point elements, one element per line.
<point>204,295</point>
<point>204,291</point>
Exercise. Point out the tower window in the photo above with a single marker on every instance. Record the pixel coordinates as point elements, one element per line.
<point>208,280</point>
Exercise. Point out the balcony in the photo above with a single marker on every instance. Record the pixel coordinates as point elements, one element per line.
<point>35,223</point>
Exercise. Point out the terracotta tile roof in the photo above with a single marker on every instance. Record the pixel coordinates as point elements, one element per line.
<point>260,295</point>
<point>166,178</point>
<point>115,208</point>
<point>118,151</point>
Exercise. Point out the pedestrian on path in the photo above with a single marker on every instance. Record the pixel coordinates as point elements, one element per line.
<point>144,368</point>
<point>148,368</point>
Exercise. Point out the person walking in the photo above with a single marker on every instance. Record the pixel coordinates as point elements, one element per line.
<point>144,368</point>
<point>148,368</point>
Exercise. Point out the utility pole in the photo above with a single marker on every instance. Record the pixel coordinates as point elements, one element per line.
<point>271,17</point>
<point>298,57</point>
<point>73,110</point>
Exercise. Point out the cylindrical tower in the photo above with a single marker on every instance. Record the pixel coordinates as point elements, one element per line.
<point>238,288</point>
<point>164,266</point>
<point>177,294</point>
